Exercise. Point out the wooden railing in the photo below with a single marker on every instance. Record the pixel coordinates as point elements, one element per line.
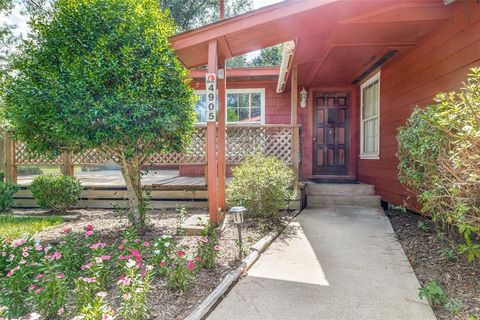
<point>281,141</point>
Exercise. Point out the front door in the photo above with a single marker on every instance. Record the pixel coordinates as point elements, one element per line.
<point>330,136</point>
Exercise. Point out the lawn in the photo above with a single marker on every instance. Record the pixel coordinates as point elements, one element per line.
<point>15,227</point>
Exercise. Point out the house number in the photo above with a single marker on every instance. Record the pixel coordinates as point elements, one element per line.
<point>211,85</point>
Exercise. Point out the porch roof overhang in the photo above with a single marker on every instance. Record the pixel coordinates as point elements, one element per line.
<point>242,74</point>
<point>336,41</point>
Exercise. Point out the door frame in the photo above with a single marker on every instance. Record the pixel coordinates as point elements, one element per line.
<point>353,134</point>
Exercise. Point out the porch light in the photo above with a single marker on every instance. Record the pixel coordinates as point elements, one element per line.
<point>237,214</point>
<point>303,98</point>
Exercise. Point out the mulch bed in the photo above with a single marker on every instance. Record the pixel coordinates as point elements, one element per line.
<point>427,253</point>
<point>166,303</point>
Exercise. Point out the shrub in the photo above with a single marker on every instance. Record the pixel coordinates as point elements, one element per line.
<point>261,184</point>
<point>439,153</point>
<point>2,176</point>
<point>57,193</point>
<point>7,190</point>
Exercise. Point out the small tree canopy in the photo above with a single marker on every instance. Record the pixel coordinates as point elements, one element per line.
<point>100,73</point>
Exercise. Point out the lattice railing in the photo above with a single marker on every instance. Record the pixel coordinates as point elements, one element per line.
<point>241,140</point>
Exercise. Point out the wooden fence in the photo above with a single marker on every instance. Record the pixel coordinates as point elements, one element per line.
<point>281,141</point>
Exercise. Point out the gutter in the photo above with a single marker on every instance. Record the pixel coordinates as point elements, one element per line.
<point>288,50</point>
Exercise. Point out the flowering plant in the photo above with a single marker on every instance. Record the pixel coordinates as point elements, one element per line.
<point>97,309</point>
<point>180,270</point>
<point>208,248</point>
<point>134,286</point>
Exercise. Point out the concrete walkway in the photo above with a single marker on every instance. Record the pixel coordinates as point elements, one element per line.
<point>331,263</point>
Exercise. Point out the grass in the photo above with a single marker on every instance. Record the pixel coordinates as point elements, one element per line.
<point>15,227</point>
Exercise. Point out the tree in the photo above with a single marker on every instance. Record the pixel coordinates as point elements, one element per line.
<point>101,74</point>
<point>271,56</point>
<point>189,14</point>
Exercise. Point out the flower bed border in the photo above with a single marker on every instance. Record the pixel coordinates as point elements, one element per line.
<point>232,278</point>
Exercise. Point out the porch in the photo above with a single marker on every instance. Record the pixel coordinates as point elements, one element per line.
<point>103,183</point>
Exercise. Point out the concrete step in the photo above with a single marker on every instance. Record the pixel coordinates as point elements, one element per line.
<point>343,200</point>
<point>339,189</point>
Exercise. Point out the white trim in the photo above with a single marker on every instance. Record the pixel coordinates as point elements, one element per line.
<point>371,155</point>
<point>246,90</point>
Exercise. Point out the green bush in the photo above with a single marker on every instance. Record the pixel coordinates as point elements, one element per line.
<point>57,193</point>
<point>439,153</point>
<point>7,190</point>
<point>2,176</point>
<point>261,184</point>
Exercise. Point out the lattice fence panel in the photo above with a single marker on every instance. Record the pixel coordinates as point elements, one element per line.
<point>270,141</point>
<point>91,157</point>
<point>23,157</point>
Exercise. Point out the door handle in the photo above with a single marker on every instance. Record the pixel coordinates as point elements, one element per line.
<point>315,139</point>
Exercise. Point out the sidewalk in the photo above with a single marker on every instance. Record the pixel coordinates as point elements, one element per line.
<point>335,263</point>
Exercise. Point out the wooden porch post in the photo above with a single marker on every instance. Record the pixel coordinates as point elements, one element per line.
<point>222,172</point>
<point>294,120</point>
<point>212,143</point>
<point>67,165</point>
<point>9,167</point>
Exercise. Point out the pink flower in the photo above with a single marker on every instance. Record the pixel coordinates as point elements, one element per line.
<point>120,247</point>
<point>32,287</point>
<point>40,276</point>
<point>67,230</point>
<point>18,242</point>
<point>60,311</point>
<point>89,227</point>
<point>88,265</point>
<point>105,258</point>
<point>98,245</point>
<point>180,253</point>
<point>198,258</point>
<point>88,234</point>
<point>107,317</point>
<point>190,264</point>
<point>90,280</point>
<point>163,263</point>
<point>11,257</point>
<point>98,260</point>
<point>39,290</point>
<point>146,244</point>
<point>216,248</point>
<point>136,240</point>
<point>38,247</point>
<point>56,255</point>
<point>25,254</point>
<point>125,241</point>
<point>123,280</point>
<point>60,276</point>
<point>22,261</point>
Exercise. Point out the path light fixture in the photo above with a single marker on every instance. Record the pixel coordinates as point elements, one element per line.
<point>237,214</point>
<point>303,98</point>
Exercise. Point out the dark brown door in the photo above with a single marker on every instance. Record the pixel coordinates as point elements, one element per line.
<point>330,136</point>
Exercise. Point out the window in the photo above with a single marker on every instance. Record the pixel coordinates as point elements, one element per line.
<point>370,118</point>
<point>243,106</point>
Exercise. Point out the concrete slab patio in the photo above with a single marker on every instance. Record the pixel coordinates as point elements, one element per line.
<point>331,263</point>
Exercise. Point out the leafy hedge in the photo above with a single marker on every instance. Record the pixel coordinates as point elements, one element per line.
<point>439,153</point>
<point>56,193</point>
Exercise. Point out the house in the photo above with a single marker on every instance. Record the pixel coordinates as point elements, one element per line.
<point>352,72</point>
<point>363,64</point>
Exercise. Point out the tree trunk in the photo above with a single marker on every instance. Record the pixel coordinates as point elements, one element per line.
<point>131,173</point>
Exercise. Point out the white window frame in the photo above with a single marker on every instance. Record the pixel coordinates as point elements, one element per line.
<point>246,90</point>
<point>370,155</point>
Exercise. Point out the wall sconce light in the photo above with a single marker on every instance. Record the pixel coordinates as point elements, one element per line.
<point>303,98</point>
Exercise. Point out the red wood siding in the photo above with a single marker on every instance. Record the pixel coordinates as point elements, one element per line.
<point>439,63</point>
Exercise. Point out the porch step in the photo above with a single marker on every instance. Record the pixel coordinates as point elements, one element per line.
<point>338,194</point>
<point>339,189</point>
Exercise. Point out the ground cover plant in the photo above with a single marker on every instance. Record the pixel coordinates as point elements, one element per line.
<point>99,244</point>
<point>448,280</point>
<point>261,184</point>
<point>439,153</point>
<point>12,227</point>
<point>101,74</point>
